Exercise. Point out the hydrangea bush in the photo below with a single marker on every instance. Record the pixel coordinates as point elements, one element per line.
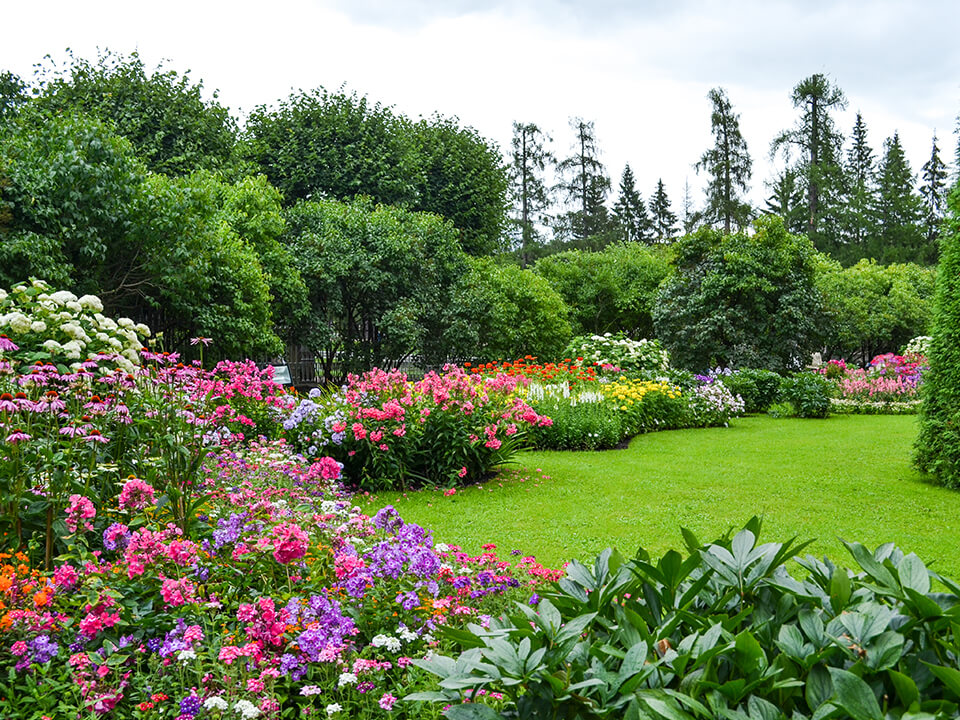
<point>634,356</point>
<point>61,328</point>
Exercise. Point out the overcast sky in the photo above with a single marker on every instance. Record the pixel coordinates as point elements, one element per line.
<point>639,70</point>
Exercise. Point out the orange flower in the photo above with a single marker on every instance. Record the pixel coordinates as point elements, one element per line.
<point>41,599</point>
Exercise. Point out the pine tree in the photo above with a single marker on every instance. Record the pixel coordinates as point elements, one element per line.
<point>729,165</point>
<point>899,210</point>
<point>819,143</point>
<point>933,188</point>
<point>664,221</point>
<point>631,212</point>
<point>858,224</point>
<point>584,181</point>
<point>530,192</point>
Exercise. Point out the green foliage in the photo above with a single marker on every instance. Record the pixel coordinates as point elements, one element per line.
<point>758,388</point>
<point>807,394</point>
<point>608,291</point>
<point>875,308</point>
<point>321,144</point>
<point>463,180</point>
<point>12,95</point>
<point>663,218</point>
<point>729,165</point>
<point>938,443</point>
<point>721,630</point>
<point>503,311</point>
<point>379,280</point>
<point>900,210</point>
<point>172,128</point>
<point>577,426</point>
<point>741,300</point>
<point>72,183</point>
<point>630,212</point>
<point>584,184</point>
<point>528,187</point>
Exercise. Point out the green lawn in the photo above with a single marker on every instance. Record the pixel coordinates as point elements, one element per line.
<point>845,477</point>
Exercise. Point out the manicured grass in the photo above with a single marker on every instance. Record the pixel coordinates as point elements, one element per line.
<point>845,477</point>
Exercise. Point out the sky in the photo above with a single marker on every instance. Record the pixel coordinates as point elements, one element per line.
<point>640,70</point>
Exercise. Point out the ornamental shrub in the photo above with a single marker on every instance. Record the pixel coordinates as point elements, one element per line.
<point>938,443</point>
<point>644,356</point>
<point>757,388</point>
<point>808,394</point>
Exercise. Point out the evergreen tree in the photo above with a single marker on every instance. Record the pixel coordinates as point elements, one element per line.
<point>530,192</point>
<point>692,218</point>
<point>786,200</point>
<point>899,210</point>
<point>858,221</point>
<point>934,191</point>
<point>729,165</point>
<point>584,182</point>
<point>818,141</point>
<point>664,220</point>
<point>631,212</point>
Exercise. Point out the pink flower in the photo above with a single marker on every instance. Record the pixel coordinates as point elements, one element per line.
<point>462,472</point>
<point>291,543</point>
<point>359,431</point>
<point>386,701</point>
<point>177,592</point>
<point>255,686</point>
<point>79,512</point>
<point>229,653</point>
<point>19,648</point>
<point>493,444</point>
<point>65,577</point>
<point>136,495</point>
<point>246,612</point>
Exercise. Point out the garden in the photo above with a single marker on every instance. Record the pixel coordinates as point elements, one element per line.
<point>193,540</point>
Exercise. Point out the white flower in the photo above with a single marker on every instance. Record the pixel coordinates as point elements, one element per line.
<point>308,690</point>
<point>18,322</point>
<point>3,294</point>
<point>62,297</point>
<point>91,302</point>
<point>38,326</point>
<point>142,330</point>
<point>346,679</point>
<point>75,307</point>
<point>441,547</point>
<point>186,655</point>
<point>215,703</point>
<point>125,322</point>
<point>72,350</point>
<point>333,709</point>
<point>406,634</point>
<point>115,344</point>
<point>388,641</point>
<point>246,709</point>
<point>51,346</point>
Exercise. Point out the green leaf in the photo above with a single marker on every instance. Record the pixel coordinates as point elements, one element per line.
<point>790,642</point>
<point>873,568</point>
<point>885,650</point>
<point>840,589</point>
<point>914,574</point>
<point>949,676</point>
<point>906,688</point>
<point>426,697</point>
<point>472,711</point>
<point>749,654</point>
<point>819,687</point>
<point>854,695</point>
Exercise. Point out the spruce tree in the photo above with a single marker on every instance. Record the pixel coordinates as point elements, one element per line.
<point>899,210</point>
<point>933,188</point>
<point>664,220</point>
<point>818,141</point>
<point>786,200</point>
<point>631,212</point>
<point>728,164</point>
<point>583,181</point>
<point>938,442</point>
<point>858,221</point>
<point>529,190</point>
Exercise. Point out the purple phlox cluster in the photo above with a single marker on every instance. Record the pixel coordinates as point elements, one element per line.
<point>229,529</point>
<point>305,411</point>
<point>327,626</point>
<point>43,649</point>
<point>182,637</point>
<point>409,600</point>
<point>191,705</point>
<point>116,537</point>
<point>387,518</point>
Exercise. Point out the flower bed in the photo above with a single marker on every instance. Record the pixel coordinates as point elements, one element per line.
<point>890,384</point>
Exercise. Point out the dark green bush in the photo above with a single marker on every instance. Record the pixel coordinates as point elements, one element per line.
<point>808,394</point>
<point>758,388</point>
<point>938,443</point>
<point>584,426</point>
<point>724,631</point>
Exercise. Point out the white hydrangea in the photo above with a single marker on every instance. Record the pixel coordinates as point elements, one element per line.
<point>106,324</point>
<point>62,297</point>
<point>17,321</point>
<point>74,307</point>
<point>3,294</point>
<point>38,326</point>
<point>52,346</point>
<point>102,337</point>
<point>125,322</point>
<point>72,350</point>
<point>142,330</point>
<point>74,331</point>
<point>115,344</point>
<point>91,302</point>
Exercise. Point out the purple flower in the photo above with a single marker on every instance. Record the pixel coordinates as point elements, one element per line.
<point>534,599</point>
<point>190,705</point>
<point>44,649</point>
<point>409,600</point>
<point>116,537</point>
<point>388,519</point>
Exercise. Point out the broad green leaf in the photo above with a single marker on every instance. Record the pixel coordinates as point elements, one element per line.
<point>854,695</point>
<point>873,568</point>
<point>914,574</point>
<point>472,711</point>
<point>426,697</point>
<point>790,642</point>
<point>749,654</point>
<point>884,651</point>
<point>905,686</point>
<point>819,687</point>
<point>840,589</point>
<point>949,676</point>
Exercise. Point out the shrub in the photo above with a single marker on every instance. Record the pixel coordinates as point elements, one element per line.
<point>808,394</point>
<point>578,425</point>
<point>757,388</point>
<point>632,356</point>
<point>722,631</point>
<point>938,443</point>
